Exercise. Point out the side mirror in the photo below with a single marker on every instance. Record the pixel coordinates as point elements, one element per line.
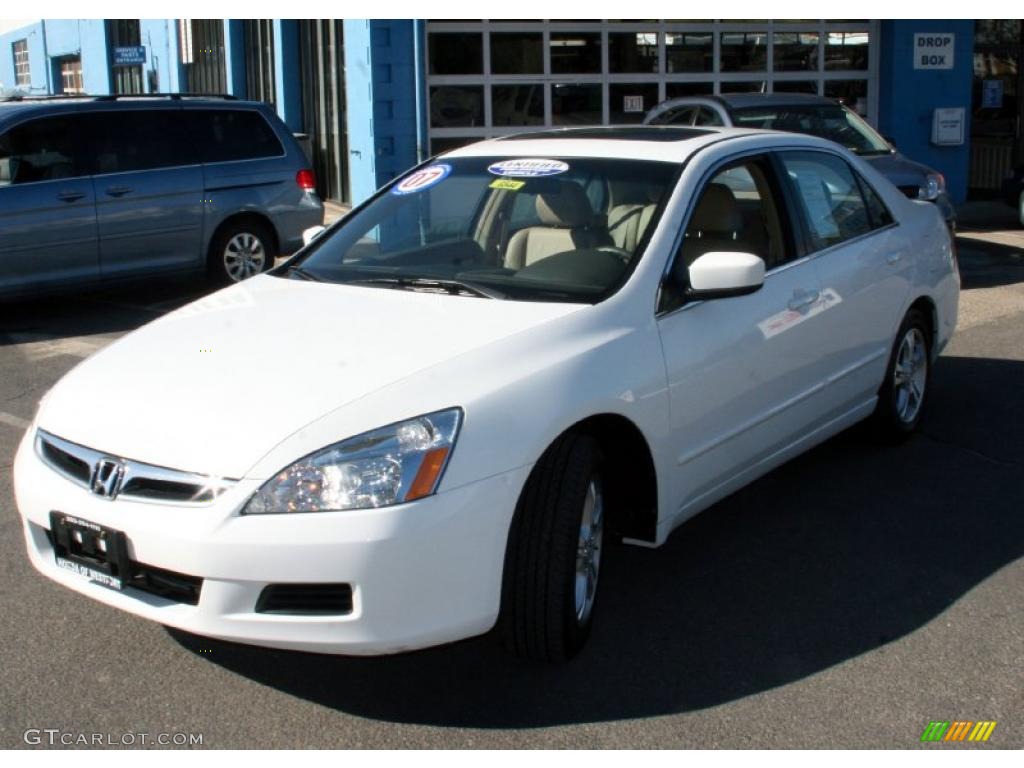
<point>719,274</point>
<point>311,234</point>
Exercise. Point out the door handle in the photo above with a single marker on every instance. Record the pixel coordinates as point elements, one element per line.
<point>118,191</point>
<point>893,257</point>
<point>70,196</point>
<point>803,299</point>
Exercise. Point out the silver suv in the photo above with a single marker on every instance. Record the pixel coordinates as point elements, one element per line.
<point>814,115</point>
<point>107,188</point>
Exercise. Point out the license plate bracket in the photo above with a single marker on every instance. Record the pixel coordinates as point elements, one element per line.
<point>94,551</point>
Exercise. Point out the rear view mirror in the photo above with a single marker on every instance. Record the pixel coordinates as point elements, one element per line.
<point>719,274</point>
<point>311,234</point>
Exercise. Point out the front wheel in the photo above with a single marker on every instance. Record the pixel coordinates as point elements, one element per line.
<point>553,557</point>
<point>901,399</point>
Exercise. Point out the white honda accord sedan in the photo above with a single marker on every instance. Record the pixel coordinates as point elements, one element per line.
<point>512,356</point>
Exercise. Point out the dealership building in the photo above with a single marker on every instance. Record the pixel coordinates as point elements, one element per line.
<point>376,96</point>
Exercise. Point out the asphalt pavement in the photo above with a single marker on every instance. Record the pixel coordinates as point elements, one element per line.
<point>845,600</point>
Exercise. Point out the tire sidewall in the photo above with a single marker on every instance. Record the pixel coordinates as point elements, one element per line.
<point>576,632</point>
<point>889,394</point>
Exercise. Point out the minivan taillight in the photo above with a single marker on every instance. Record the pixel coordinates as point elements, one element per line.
<point>306,180</point>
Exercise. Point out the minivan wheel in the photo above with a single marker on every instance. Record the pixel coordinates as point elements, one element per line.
<point>240,251</point>
<point>553,555</point>
<point>1020,208</point>
<point>901,399</point>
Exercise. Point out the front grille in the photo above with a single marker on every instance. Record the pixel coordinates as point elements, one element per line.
<point>140,480</point>
<point>65,462</point>
<point>910,190</point>
<point>306,599</point>
<point>177,587</point>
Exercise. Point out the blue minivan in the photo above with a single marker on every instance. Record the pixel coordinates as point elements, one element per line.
<point>107,188</point>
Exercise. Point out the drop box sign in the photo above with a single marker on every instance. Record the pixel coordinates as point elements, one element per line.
<point>933,50</point>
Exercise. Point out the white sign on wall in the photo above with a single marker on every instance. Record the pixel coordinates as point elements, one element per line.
<point>933,50</point>
<point>948,127</point>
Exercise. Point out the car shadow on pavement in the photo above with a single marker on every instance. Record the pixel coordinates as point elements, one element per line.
<point>985,263</point>
<point>101,311</point>
<point>832,556</point>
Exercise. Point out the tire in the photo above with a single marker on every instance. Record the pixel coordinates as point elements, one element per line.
<point>556,536</point>
<point>904,393</point>
<point>240,250</point>
<point>1020,208</point>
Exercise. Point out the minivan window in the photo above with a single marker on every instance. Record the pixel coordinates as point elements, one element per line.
<point>223,135</point>
<point>38,150</point>
<point>136,140</point>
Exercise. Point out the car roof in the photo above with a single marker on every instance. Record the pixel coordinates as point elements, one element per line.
<point>665,143</point>
<point>18,106</point>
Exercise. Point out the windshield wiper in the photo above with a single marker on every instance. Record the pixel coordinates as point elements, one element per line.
<point>453,287</point>
<point>300,272</point>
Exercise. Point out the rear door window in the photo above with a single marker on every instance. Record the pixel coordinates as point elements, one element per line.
<point>39,150</point>
<point>829,197</point>
<point>224,135</point>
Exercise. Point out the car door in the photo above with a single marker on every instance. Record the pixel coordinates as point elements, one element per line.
<point>149,191</point>
<point>863,264</point>
<point>742,371</point>
<point>47,206</point>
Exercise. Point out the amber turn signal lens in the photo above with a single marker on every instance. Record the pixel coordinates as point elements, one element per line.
<point>429,471</point>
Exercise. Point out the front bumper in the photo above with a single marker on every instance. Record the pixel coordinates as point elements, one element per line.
<point>422,574</point>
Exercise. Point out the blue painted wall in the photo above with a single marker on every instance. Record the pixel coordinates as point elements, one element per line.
<point>907,96</point>
<point>37,64</point>
<point>287,74</point>
<point>383,70</point>
<point>160,37</point>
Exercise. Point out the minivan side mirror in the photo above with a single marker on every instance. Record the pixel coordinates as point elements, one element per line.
<point>718,274</point>
<point>311,234</point>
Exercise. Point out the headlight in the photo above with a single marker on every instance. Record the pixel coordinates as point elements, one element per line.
<point>934,185</point>
<point>390,465</point>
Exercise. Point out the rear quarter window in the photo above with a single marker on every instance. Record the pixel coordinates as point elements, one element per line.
<point>223,135</point>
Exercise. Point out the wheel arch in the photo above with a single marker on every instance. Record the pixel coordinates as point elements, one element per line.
<point>926,306</point>
<point>629,473</point>
<point>240,217</point>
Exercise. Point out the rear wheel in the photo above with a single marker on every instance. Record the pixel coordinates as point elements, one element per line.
<point>901,399</point>
<point>554,552</point>
<point>239,251</point>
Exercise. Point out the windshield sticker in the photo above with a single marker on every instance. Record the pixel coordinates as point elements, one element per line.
<point>422,179</point>
<point>511,184</point>
<point>530,167</point>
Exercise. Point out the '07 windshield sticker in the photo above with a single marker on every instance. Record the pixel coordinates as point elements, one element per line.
<point>529,167</point>
<point>424,178</point>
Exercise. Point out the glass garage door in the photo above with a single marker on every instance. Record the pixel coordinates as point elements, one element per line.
<point>487,78</point>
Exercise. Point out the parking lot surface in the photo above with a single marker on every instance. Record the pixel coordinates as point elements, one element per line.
<point>845,600</point>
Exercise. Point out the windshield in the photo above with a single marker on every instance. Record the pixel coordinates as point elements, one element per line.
<point>536,229</point>
<point>830,121</point>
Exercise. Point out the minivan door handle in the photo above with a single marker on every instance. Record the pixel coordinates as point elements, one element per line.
<point>802,298</point>
<point>70,196</point>
<point>118,191</point>
<point>893,257</point>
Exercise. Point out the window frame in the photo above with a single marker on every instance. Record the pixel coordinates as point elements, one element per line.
<point>22,68</point>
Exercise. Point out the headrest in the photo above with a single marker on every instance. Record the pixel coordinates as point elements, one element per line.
<point>717,211</point>
<point>566,206</point>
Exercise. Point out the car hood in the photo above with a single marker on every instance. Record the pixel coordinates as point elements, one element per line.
<point>900,170</point>
<point>213,386</point>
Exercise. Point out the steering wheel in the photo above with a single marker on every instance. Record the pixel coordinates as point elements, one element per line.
<point>623,255</point>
